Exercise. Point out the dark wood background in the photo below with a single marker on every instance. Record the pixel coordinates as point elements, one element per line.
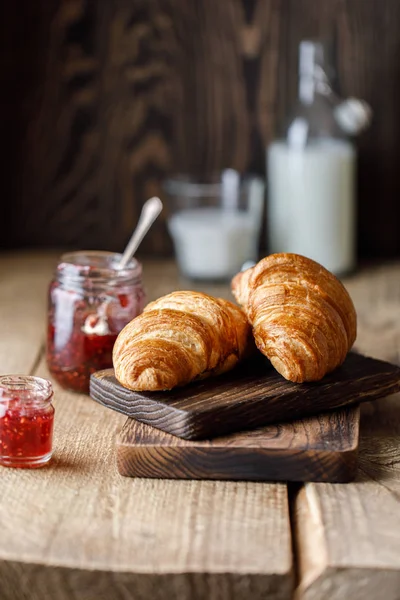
<point>101,99</point>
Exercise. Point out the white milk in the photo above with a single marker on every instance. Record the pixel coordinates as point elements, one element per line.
<point>213,243</point>
<point>311,203</point>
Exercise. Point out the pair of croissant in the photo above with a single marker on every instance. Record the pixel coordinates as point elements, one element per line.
<point>300,315</point>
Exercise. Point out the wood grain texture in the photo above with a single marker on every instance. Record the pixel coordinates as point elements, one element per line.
<point>185,536</point>
<point>77,530</point>
<point>29,581</point>
<point>123,91</point>
<point>104,99</point>
<point>252,395</point>
<point>322,448</point>
<point>363,563</point>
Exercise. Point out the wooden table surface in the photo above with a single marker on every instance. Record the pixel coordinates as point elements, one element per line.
<point>78,530</point>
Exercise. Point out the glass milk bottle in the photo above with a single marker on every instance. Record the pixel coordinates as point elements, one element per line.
<point>311,175</point>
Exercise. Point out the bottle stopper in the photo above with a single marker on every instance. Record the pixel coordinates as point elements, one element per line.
<point>353,115</point>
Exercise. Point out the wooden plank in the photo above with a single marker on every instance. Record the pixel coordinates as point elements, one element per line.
<point>103,100</point>
<point>140,89</point>
<point>322,448</point>
<point>252,395</point>
<point>23,286</point>
<point>77,530</point>
<point>70,584</point>
<point>203,539</point>
<point>348,537</point>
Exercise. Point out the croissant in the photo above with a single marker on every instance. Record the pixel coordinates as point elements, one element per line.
<point>303,318</point>
<point>178,338</point>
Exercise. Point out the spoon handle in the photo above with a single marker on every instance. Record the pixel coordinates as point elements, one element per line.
<point>150,211</point>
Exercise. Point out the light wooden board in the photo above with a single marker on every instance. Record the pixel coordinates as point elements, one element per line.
<point>77,530</point>
<point>79,513</point>
<point>348,537</point>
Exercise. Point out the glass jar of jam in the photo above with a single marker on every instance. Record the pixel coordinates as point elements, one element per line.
<point>90,301</point>
<point>26,421</point>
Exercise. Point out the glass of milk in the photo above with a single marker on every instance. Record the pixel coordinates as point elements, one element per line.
<point>311,173</point>
<point>215,225</point>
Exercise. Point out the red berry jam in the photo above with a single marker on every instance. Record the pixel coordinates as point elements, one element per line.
<point>26,421</point>
<point>90,301</point>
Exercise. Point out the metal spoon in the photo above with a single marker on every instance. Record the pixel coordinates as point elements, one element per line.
<point>150,211</point>
<point>98,324</point>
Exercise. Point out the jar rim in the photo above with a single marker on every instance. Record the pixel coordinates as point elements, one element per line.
<point>26,387</point>
<point>97,265</point>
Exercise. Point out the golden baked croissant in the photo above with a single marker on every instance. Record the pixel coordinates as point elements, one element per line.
<point>303,318</point>
<point>178,338</point>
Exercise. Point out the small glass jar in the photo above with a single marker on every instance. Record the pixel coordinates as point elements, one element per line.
<point>26,421</point>
<point>90,301</point>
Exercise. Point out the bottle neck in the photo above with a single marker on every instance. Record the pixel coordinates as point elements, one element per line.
<point>314,117</point>
<point>307,90</point>
<point>313,87</point>
<point>314,70</point>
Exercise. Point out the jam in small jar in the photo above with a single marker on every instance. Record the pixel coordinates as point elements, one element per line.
<point>90,301</point>
<point>26,421</point>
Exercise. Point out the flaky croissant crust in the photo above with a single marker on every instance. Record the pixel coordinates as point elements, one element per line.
<point>302,316</point>
<point>179,338</point>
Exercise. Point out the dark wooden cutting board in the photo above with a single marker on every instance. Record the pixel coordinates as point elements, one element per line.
<point>322,448</point>
<point>251,396</point>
